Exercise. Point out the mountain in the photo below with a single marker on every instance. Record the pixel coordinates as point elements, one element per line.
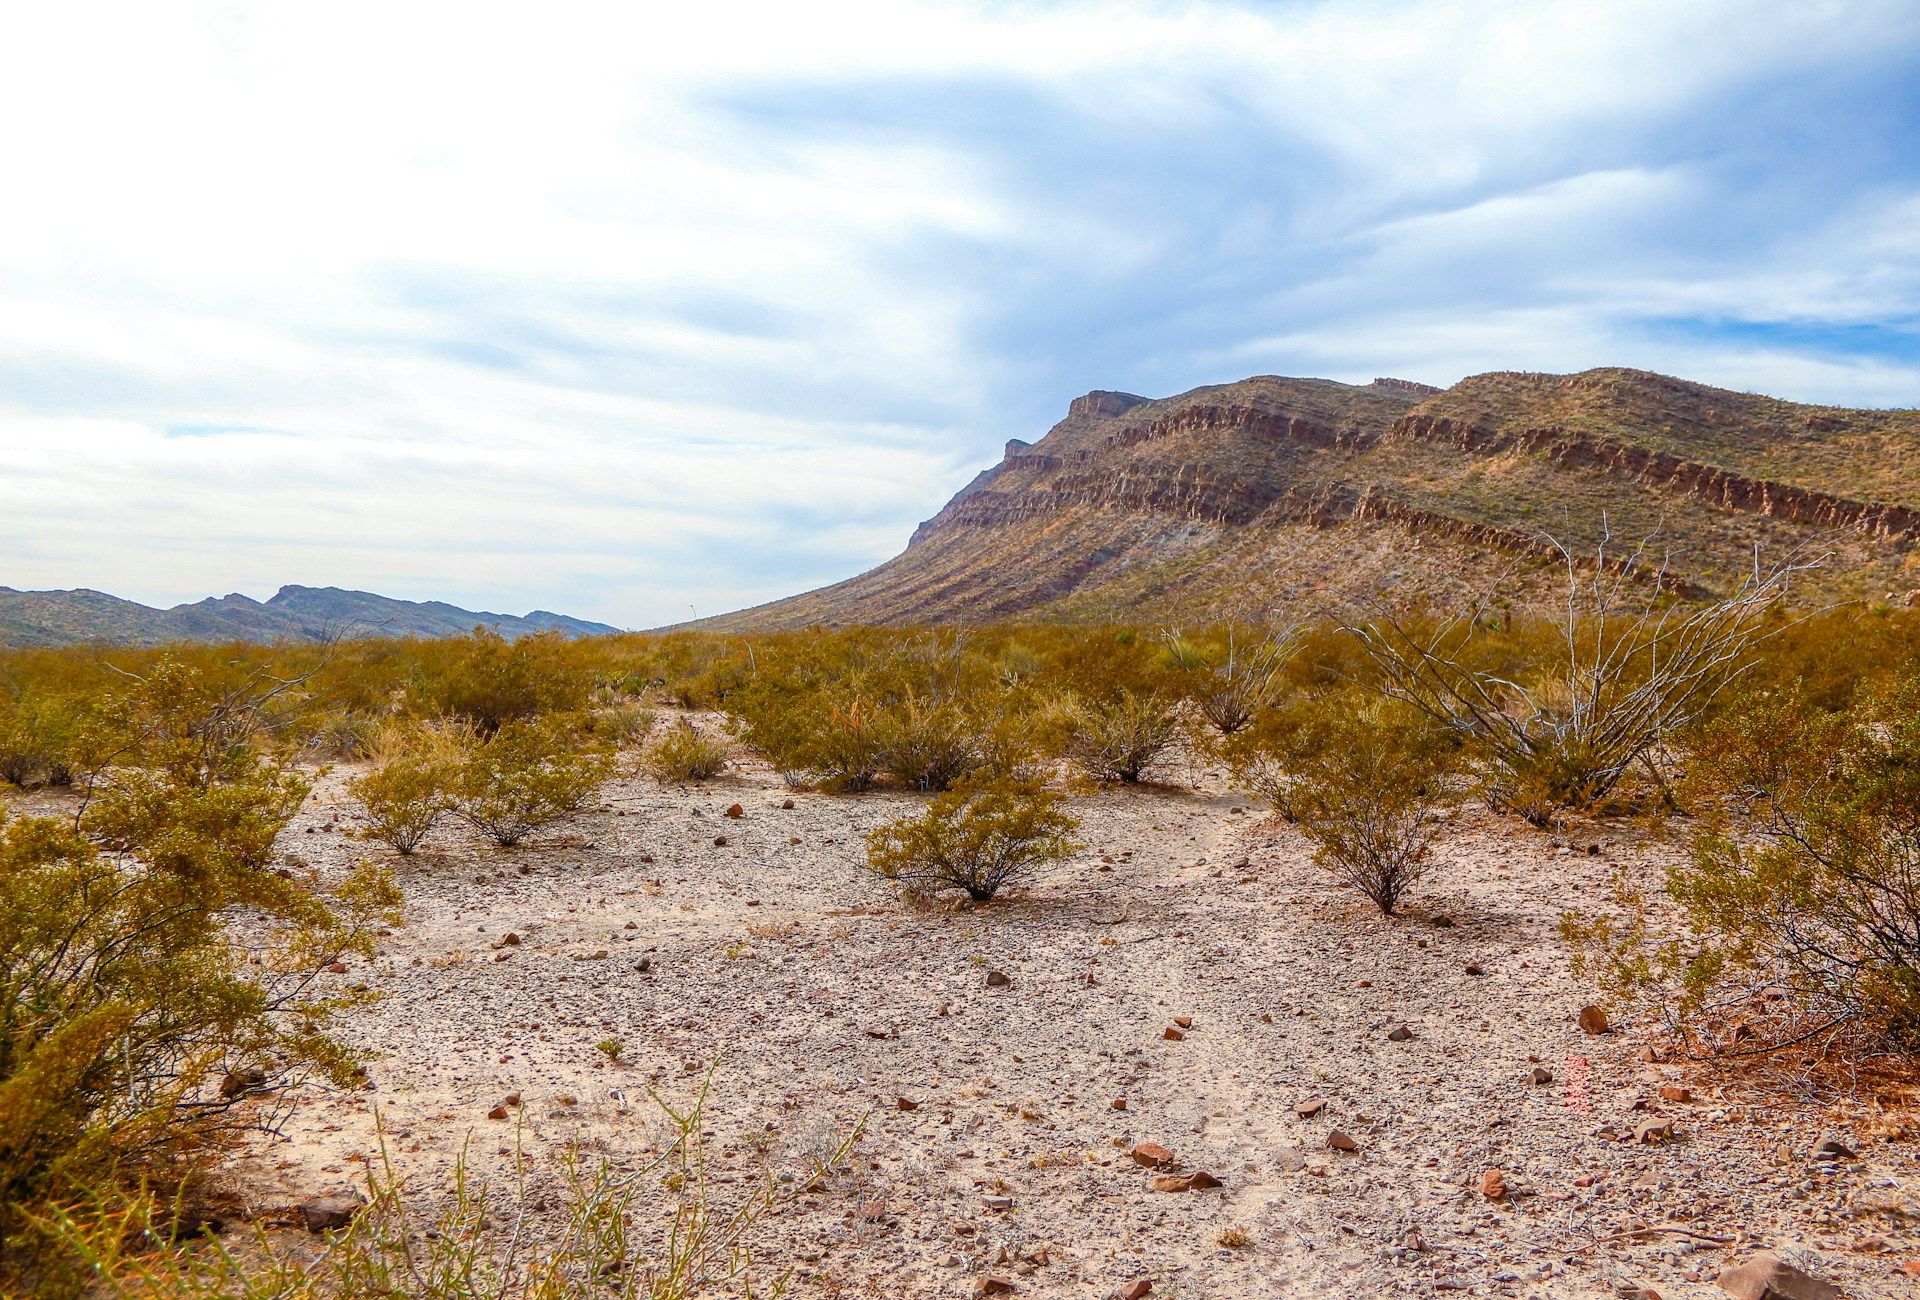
<point>1271,493</point>
<point>53,618</point>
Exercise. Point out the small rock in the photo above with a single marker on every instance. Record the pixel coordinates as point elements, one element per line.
<point>326,1213</point>
<point>1593,1020</point>
<point>1475,968</point>
<point>1830,1147</point>
<point>337,967</point>
<point>1653,1132</point>
<point>1339,1141</point>
<point>905,1103</point>
<point>498,1112</point>
<point>998,979</point>
<point>1541,1074</point>
<point>1185,1022</point>
<point>1493,1185</point>
<point>993,1284</point>
<point>1199,1180</point>
<point>1119,1103</point>
<point>719,841</point>
<point>998,1204</point>
<point>1308,1109</point>
<point>1172,1034</point>
<point>1400,1034</point>
<point>787,804</point>
<point>1137,1289</point>
<point>1152,1155</point>
<point>1674,1092</point>
<point>644,964</point>
<point>735,811</point>
<point>1766,1277</point>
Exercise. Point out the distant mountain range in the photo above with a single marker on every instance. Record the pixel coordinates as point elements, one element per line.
<point>1275,495</point>
<point>56,618</point>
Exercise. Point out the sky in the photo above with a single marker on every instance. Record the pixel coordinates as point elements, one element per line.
<point>638,310</point>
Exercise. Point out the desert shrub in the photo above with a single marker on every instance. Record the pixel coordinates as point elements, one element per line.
<point>1628,667</point>
<point>132,1020</point>
<point>593,1245</point>
<point>489,681</point>
<point>1230,678</point>
<point>929,746</point>
<point>983,834</point>
<point>1364,778</point>
<point>51,738</point>
<point>1114,735</point>
<point>621,722</point>
<point>1803,875</point>
<point>413,783</point>
<point>685,753</point>
<point>528,774</point>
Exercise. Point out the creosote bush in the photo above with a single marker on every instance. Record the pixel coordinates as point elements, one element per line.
<point>413,783</point>
<point>685,753</point>
<point>1364,778</point>
<point>528,774</point>
<point>1803,876</point>
<point>984,833</point>
<point>1115,735</point>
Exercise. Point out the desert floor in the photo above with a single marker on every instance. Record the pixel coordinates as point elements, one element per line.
<point>995,1141</point>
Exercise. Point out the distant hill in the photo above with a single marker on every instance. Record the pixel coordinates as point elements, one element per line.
<point>1274,493</point>
<point>55,618</point>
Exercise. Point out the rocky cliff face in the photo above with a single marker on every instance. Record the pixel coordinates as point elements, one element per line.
<point>1223,500</point>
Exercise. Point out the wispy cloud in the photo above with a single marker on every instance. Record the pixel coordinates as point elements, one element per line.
<point>624,309</point>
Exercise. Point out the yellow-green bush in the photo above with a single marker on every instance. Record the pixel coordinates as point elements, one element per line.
<point>1803,874</point>
<point>985,833</point>
<point>1115,735</point>
<point>414,781</point>
<point>528,774</point>
<point>685,753</point>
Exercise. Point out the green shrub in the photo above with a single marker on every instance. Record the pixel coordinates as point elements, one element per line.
<point>621,722</point>
<point>489,681</point>
<point>1804,870</point>
<point>1115,736</point>
<point>685,753</point>
<point>930,746</point>
<point>528,774</point>
<point>1229,679</point>
<point>983,834</point>
<point>415,781</point>
<point>1364,779</point>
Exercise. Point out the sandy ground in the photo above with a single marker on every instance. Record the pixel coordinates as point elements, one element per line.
<point>829,1000</point>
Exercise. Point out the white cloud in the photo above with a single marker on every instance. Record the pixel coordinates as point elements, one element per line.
<point>593,306</point>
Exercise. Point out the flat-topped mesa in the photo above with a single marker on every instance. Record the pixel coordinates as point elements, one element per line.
<point>1101,404</point>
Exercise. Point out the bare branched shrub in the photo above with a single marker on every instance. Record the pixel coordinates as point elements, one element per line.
<point>1804,873</point>
<point>530,773</point>
<point>1115,735</point>
<point>685,753</point>
<point>1364,778</point>
<point>1630,668</point>
<point>414,781</point>
<point>984,833</point>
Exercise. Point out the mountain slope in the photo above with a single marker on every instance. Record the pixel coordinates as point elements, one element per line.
<point>54,618</point>
<point>1237,499</point>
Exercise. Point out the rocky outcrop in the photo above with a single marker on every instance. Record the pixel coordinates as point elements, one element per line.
<point>1664,472</point>
<point>1407,386</point>
<point>1101,404</point>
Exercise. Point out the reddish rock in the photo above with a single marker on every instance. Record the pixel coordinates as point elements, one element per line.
<point>998,979</point>
<point>1674,1092</point>
<point>1119,1103</point>
<point>1137,1289</point>
<point>993,1284</point>
<point>1308,1109</point>
<point>1339,1141</point>
<point>1766,1277</point>
<point>1172,1034</point>
<point>1152,1154</point>
<point>1593,1020</point>
<point>1185,1022</point>
<point>1400,1034</point>
<point>1493,1185</point>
